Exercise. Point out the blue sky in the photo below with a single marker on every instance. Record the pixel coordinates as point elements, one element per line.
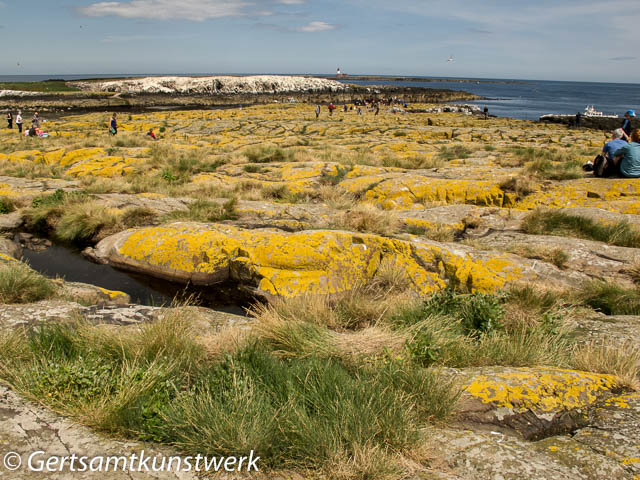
<point>563,40</point>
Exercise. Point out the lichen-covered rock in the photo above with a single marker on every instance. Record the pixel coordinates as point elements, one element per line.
<point>616,195</point>
<point>415,191</point>
<point>309,262</point>
<point>533,402</point>
<point>492,455</point>
<point>615,432</point>
<point>90,294</point>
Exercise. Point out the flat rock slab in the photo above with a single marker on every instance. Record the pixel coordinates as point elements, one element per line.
<point>490,455</point>
<point>25,428</point>
<point>616,329</point>
<point>595,259</point>
<point>34,314</point>
<point>16,187</point>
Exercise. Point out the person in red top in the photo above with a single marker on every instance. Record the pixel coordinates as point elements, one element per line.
<point>151,134</point>
<point>331,107</point>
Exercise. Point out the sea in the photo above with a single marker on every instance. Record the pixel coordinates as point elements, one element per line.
<point>514,98</point>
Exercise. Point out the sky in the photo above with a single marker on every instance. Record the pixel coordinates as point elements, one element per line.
<point>579,40</point>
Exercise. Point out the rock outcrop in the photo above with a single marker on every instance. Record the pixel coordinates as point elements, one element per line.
<point>257,84</point>
<point>273,263</point>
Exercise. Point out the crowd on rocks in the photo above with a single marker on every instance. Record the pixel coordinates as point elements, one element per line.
<point>370,105</point>
<point>36,124</point>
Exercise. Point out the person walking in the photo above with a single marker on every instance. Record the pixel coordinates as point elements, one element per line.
<point>36,120</point>
<point>10,121</point>
<point>19,121</point>
<point>113,125</point>
<point>317,111</point>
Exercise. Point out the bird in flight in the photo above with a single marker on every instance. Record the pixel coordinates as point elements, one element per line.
<point>450,59</point>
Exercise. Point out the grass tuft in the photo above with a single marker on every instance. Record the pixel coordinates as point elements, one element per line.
<point>550,222</point>
<point>621,360</point>
<point>20,284</point>
<point>206,211</point>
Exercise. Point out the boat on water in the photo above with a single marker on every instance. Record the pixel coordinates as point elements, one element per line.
<point>590,111</point>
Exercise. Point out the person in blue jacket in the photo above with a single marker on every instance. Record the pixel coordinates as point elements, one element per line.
<point>626,124</point>
<point>113,125</point>
<point>627,158</point>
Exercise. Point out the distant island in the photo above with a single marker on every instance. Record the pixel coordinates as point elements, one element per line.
<point>141,93</point>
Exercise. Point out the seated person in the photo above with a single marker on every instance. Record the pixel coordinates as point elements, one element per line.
<point>603,162</point>
<point>626,160</point>
<point>32,131</point>
<point>614,144</point>
<point>151,134</point>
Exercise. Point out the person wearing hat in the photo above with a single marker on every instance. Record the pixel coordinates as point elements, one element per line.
<point>626,124</point>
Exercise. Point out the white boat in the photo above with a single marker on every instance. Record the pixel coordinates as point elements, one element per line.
<point>590,111</point>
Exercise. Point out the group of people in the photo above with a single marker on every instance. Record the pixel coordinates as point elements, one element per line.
<point>620,156</point>
<point>34,131</point>
<point>113,127</point>
<point>371,107</point>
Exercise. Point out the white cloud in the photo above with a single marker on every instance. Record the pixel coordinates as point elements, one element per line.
<point>315,27</point>
<point>195,10</point>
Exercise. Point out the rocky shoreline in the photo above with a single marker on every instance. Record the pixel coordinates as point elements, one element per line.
<point>206,92</point>
<point>595,122</point>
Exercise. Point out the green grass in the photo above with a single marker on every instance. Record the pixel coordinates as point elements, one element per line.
<point>206,211</point>
<point>21,284</point>
<point>48,86</point>
<point>266,154</point>
<point>454,152</point>
<point>138,216</point>
<point>6,205</point>
<point>251,168</point>
<point>462,330</point>
<point>551,222</point>
<point>549,170</point>
<point>80,222</point>
<point>609,298</point>
<point>157,383</point>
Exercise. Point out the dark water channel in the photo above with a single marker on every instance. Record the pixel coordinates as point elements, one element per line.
<point>64,262</point>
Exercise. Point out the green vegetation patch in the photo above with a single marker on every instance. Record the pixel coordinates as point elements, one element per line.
<point>609,298</point>
<point>48,86</point>
<point>553,222</point>
<point>207,211</point>
<point>267,154</point>
<point>21,284</point>
<point>158,383</point>
<point>454,152</point>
